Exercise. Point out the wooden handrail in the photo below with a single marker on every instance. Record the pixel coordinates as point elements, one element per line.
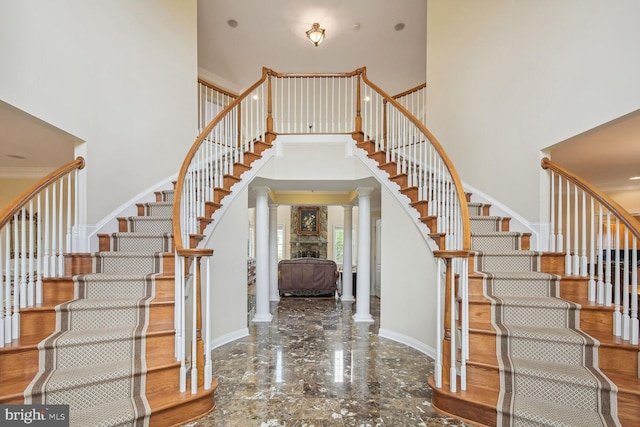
<point>410,91</point>
<point>464,210</point>
<point>16,204</point>
<point>629,221</point>
<point>301,75</point>
<point>177,235</point>
<point>217,88</point>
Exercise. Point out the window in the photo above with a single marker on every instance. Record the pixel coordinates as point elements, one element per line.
<point>338,244</point>
<point>280,243</point>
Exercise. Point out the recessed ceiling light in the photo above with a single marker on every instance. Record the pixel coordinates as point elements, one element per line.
<point>16,156</point>
<point>633,178</point>
<point>232,23</point>
<point>356,26</point>
<point>399,26</point>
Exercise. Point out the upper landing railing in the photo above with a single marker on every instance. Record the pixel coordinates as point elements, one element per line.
<point>36,229</point>
<point>319,103</point>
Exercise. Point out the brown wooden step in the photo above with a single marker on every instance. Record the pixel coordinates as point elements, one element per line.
<point>390,167</point>
<point>248,158</point>
<point>219,194</point>
<point>229,180</point>
<point>210,207</point>
<point>239,169</point>
<point>203,223</point>
<point>431,222</point>
<point>476,401</point>
<point>422,206</point>
<point>401,179</point>
<point>368,146</point>
<point>411,193</point>
<point>260,146</point>
<point>172,408</point>
<point>378,156</point>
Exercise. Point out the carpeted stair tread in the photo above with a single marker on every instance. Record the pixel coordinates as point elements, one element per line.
<point>519,275</point>
<point>534,412</point>
<point>111,414</point>
<point>92,336</point>
<point>112,303</point>
<point>571,374</point>
<point>72,378</point>
<point>106,286</point>
<point>545,302</point>
<point>546,334</point>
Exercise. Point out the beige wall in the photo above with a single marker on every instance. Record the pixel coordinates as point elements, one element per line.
<point>506,79</point>
<point>10,188</point>
<point>117,74</point>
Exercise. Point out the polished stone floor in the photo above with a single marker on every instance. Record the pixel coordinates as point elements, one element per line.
<point>312,366</point>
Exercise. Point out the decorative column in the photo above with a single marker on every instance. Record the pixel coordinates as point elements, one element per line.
<point>347,255</point>
<point>262,255</point>
<point>364,256</point>
<point>274,296</point>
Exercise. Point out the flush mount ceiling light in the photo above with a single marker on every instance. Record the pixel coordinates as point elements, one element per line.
<point>315,34</point>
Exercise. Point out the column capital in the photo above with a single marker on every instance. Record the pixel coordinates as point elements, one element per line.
<point>364,191</point>
<point>348,207</point>
<point>261,191</point>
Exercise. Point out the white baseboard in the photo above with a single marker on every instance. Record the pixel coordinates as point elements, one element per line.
<point>408,341</point>
<point>227,338</point>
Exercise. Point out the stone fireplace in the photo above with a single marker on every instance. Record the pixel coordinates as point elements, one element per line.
<point>309,244</point>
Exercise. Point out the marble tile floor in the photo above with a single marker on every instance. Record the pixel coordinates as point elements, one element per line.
<point>313,366</point>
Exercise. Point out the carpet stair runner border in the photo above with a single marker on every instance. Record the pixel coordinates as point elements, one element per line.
<point>548,367</point>
<point>95,361</point>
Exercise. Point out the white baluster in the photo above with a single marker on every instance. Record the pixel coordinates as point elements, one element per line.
<point>583,258</point>
<point>454,347</point>
<point>617,316</point>
<point>552,234</point>
<point>576,255</point>
<point>437,371</point>
<point>46,251</point>
<point>69,213</point>
<point>30,271</point>
<point>15,321</point>
<point>2,288</point>
<point>634,293</point>
<point>626,318</point>
<point>208,364</point>
<point>7,288</point>
<point>559,236</point>
<point>592,255</point>
<point>194,323</point>
<point>608,287</point>
<point>60,254</point>
<point>567,257</point>
<point>54,229</point>
<point>22,225</point>
<point>600,289</point>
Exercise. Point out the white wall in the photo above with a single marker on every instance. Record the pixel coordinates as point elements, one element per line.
<point>408,276</point>
<point>118,74</point>
<point>507,79</point>
<point>229,265</point>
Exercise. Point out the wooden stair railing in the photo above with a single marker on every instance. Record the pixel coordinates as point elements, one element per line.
<point>36,229</point>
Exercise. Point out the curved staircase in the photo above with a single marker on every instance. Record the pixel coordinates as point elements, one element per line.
<point>540,353</point>
<point>103,339</point>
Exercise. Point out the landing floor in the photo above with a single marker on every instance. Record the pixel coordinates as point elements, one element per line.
<point>312,366</point>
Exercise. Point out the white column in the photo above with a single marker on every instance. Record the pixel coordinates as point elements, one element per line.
<point>364,256</point>
<point>347,255</point>
<point>262,256</point>
<point>273,253</point>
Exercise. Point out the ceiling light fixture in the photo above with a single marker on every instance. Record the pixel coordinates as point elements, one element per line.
<point>634,178</point>
<point>315,34</point>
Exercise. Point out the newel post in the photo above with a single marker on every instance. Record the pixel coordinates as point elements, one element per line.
<point>358,135</point>
<point>270,135</point>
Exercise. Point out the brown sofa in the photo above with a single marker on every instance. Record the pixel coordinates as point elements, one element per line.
<point>307,276</point>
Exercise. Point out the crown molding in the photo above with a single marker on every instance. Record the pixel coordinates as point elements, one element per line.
<point>16,172</point>
<point>218,81</point>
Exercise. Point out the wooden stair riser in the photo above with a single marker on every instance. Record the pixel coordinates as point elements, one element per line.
<point>239,169</point>
<point>77,264</point>
<point>431,222</point>
<point>552,263</point>
<point>57,291</point>
<point>368,146</point>
<point>203,223</point>
<point>460,403</point>
<point>411,193</point>
<point>391,168</point>
<point>210,208</point>
<point>229,181</point>
<point>482,346</point>
<point>402,180</point>
<point>260,146</point>
<point>195,239</point>
<point>249,158</point>
<point>379,156</point>
<point>621,358</point>
<point>169,411</point>
<point>574,288</point>
<point>219,194</point>
<point>422,206</point>
<point>628,407</point>
<point>484,376</point>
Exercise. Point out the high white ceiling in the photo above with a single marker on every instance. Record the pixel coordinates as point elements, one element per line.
<point>272,34</point>
<point>358,33</point>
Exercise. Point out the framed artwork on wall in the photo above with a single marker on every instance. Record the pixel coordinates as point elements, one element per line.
<point>308,221</point>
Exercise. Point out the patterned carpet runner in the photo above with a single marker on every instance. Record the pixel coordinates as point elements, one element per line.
<point>95,360</point>
<point>549,368</point>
